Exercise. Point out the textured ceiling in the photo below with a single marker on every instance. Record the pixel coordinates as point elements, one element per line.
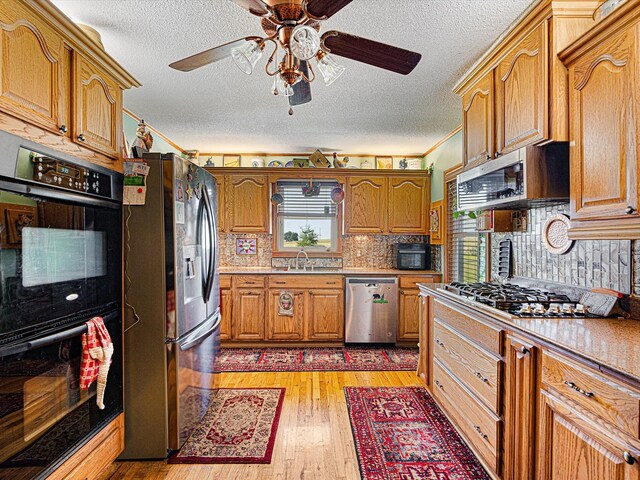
<point>220,109</point>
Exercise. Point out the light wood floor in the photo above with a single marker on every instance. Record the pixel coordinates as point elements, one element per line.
<point>314,440</point>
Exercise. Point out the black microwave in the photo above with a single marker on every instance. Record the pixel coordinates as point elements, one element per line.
<point>411,256</point>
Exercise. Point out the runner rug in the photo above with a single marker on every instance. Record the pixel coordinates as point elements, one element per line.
<point>239,427</point>
<point>401,433</point>
<point>316,359</point>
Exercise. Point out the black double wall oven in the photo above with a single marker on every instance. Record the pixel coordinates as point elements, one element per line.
<point>60,265</point>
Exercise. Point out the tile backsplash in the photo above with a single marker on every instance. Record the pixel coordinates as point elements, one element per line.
<point>358,251</point>
<point>589,263</point>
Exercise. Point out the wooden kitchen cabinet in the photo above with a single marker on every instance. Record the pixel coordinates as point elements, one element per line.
<point>478,121</point>
<point>325,315</point>
<point>32,65</point>
<point>520,411</point>
<point>284,327</point>
<point>409,315</point>
<point>408,206</point>
<point>226,307</point>
<point>248,204</point>
<point>365,205</point>
<point>97,108</point>
<point>575,447</point>
<point>605,110</point>
<point>516,95</point>
<point>222,205</point>
<point>522,99</point>
<point>248,314</point>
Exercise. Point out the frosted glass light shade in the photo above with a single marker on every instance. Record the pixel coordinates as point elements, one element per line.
<point>330,69</point>
<point>281,86</point>
<point>304,42</point>
<point>246,56</point>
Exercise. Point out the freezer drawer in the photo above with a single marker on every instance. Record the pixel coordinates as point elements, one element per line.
<point>371,310</point>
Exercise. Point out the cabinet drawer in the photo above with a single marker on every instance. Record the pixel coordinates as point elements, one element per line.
<point>410,281</point>
<point>486,335</point>
<point>600,396</point>
<point>249,281</point>
<point>477,369</point>
<point>225,281</point>
<point>480,427</point>
<point>305,281</point>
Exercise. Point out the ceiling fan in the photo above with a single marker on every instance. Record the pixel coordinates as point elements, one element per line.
<point>293,27</point>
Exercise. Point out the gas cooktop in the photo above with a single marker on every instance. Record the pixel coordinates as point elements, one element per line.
<point>519,301</point>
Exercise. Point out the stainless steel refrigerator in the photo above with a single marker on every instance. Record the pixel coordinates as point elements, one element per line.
<point>172,325</point>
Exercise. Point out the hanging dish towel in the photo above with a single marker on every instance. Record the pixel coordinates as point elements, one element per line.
<point>97,350</point>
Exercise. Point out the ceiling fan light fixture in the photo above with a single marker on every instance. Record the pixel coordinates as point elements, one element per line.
<point>329,68</point>
<point>247,55</point>
<point>281,86</point>
<point>304,42</point>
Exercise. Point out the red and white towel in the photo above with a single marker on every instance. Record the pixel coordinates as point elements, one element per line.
<point>97,350</point>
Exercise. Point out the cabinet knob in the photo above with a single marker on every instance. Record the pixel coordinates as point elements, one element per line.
<point>81,137</point>
<point>524,350</point>
<point>488,157</point>
<point>498,154</point>
<point>630,459</point>
<point>63,129</point>
<point>630,210</point>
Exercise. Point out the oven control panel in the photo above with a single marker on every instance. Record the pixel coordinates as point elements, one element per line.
<point>55,172</point>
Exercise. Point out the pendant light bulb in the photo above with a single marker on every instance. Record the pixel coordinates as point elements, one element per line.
<point>247,55</point>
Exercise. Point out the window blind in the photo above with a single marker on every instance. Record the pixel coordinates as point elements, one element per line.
<point>466,255</point>
<point>296,204</point>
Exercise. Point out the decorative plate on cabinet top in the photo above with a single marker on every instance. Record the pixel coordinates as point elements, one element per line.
<point>555,234</point>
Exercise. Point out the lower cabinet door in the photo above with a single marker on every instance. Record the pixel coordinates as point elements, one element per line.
<point>573,447</point>
<point>283,326</point>
<point>409,315</point>
<point>325,320</point>
<point>248,314</point>
<point>521,394</point>
<point>226,305</point>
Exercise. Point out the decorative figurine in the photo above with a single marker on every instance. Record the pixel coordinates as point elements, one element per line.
<point>337,163</point>
<point>143,141</point>
<point>403,164</point>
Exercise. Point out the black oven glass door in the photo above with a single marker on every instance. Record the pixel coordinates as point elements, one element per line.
<point>59,257</point>
<point>44,416</point>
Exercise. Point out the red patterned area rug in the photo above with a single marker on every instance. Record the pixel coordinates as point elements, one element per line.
<point>400,433</point>
<point>239,427</point>
<point>316,359</point>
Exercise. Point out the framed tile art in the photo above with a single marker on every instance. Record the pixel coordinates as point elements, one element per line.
<point>246,246</point>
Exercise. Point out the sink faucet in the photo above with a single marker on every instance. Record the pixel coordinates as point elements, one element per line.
<point>298,258</point>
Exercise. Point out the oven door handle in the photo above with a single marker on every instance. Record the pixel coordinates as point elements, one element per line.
<point>50,339</point>
<point>78,198</point>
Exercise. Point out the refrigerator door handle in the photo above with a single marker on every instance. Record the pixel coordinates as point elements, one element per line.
<point>204,230</point>
<point>214,246</point>
<point>199,335</point>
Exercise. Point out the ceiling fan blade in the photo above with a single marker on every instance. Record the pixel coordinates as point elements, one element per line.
<point>255,7</point>
<point>371,52</point>
<point>208,56</point>
<point>302,89</point>
<point>323,9</point>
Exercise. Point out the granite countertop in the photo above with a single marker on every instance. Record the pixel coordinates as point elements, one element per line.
<point>610,342</point>
<point>322,271</point>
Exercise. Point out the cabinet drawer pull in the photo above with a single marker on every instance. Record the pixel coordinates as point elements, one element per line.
<point>279,283</point>
<point>438,342</point>
<point>63,129</point>
<point>630,459</point>
<point>479,430</point>
<point>331,283</point>
<point>439,385</point>
<point>578,389</point>
<point>479,375</point>
<point>81,138</point>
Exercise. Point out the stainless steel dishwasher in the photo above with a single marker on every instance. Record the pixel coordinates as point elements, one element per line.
<point>371,310</point>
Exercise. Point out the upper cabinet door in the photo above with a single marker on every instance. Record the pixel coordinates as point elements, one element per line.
<point>97,108</point>
<point>604,130</point>
<point>31,66</point>
<point>248,204</point>
<point>477,121</point>
<point>366,205</point>
<point>408,205</point>
<point>522,93</point>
